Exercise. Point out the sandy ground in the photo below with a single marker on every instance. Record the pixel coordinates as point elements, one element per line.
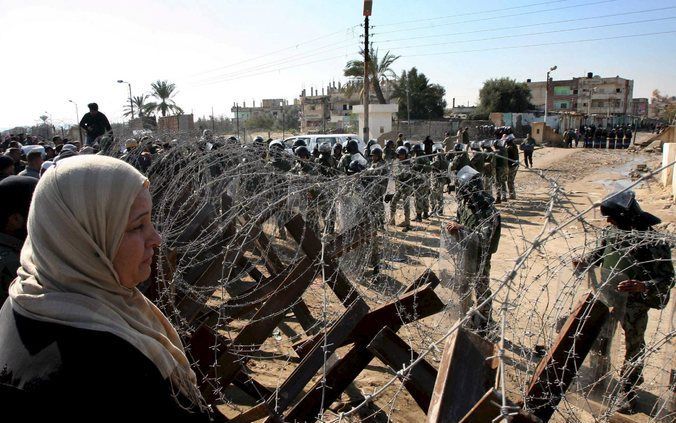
<point>543,287</point>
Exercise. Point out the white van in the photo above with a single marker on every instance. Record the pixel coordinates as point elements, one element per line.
<point>316,139</point>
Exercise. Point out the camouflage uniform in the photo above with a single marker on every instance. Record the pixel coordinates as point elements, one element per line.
<point>440,179</point>
<point>644,260</point>
<point>488,173</point>
<point>421,168</point>
<point>310,192</point>
<point>10,248</point>
<point>375,180</point>
<point>327,169</point>
<point>477,214</point>
<point>501,174</point>
<point>513,167</point>
<point>404,189</point>
<point>279,167</point>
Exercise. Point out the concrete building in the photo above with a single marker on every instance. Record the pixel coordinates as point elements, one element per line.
<point>380,118</point>
<point>328,110</point>
<point>640,107</point>
<point>270,106</point>
<point>590,95</point>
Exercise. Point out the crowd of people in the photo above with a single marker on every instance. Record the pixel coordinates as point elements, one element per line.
<point>78,248</point>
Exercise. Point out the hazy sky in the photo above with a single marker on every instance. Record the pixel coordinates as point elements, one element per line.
<point>218,52</point>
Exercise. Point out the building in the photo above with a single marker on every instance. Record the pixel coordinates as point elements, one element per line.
<point>661,105</point>
<point>175,124</point>
<point>268,106</point>
<point>639,107</point>
<point>590,95</point>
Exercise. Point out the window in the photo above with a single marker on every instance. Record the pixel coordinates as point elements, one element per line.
<point>538,131</point>
<point>618,90</point>
<point>312,108</point>
<point>345,106</point>
<point>584,104</point>
<point>574,92</point>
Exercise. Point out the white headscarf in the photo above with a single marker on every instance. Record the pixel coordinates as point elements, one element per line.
<point>76,221</point>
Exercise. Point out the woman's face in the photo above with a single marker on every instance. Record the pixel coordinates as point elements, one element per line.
<point>134,257</point>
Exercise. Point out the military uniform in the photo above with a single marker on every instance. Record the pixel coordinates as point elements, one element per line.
<point>403,190</point>
<point>375,180</point>
<point>279,166</point>
<point>639,259</point>
<point>326,167</point>
<point>10,248</point>
<point>439,180</point>
<point>421,169</point>
<point>479,218</point>
<point>513,167</point>
<point>501,173</point>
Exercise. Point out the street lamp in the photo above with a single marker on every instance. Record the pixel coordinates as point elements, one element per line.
<point>77,119</point>
<point>552,69</point>
<point>131,103</point>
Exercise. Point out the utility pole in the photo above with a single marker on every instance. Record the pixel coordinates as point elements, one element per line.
<point>77,119</point>
<point>237,118</point>
<point>282,120</point>
<point>212,119</point>
<point>553,68</point>
<point>368,5</point>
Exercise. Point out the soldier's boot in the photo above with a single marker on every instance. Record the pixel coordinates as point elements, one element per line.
<point>418,217</point>
<point>391,222</point>
<point>512,196</point>
<point>426,215</point>
<point>630,403</point>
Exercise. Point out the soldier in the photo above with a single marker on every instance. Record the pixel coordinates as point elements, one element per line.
<point>477,226</point>
<point>305,166</point>
<point>627,137</point>
<point>630,247</point>
<point>439,180</point>
<point>528,146</point>
<point>465,135</point>
<point>611,138</point>
<point>390,151</point>
<point>375,182</point>
<point>478,159</point>
<point>337,153</point>
<point>403,189</point>
<point>352,154</point>
<point>369,146</point>
<point>428,144</point>
<point>421,169</point>
<point>400,139</point>
<point>501,171</point>
<point>326,167</point>
<point>460,158</point>
<point>488,174</point>
<point>448,141</point>
<point>279,166</point>
<point>512,164</point>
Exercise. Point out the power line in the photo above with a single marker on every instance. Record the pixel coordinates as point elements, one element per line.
<point>532,25</point>
<point>537,33</point>
<point>499,17</point>
<point>473,13</point>
<point>541,44</point>
<point>293,46</point>
<point>459,51</point>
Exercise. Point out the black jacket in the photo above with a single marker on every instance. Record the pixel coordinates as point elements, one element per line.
<point>95,125</point>
<point>71,374</point>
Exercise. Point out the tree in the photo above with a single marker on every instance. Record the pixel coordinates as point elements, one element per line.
<point>290,119</point>
<point>260,121</point>
<point>504,95</point>
<point>142,106</point>
<point>380,72</point>
<point>426,100</point>
<point>164,91</point>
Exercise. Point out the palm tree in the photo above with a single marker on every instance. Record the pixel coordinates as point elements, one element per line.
<point>164,91</point>
<point>141,105</point>
<point>380,72</point>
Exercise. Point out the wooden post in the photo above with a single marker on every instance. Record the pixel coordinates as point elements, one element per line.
<point>557,369</point>
<point>397,354</point>
<point>465,374</point>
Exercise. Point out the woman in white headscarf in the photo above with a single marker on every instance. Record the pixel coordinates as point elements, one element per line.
<point>76,335</point>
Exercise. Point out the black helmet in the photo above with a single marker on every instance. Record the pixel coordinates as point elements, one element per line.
<point>355,167</point>
<point>389,143</point>
<point>377,150</point>
<point>402,150</point>
<point>459,147</point>
<point>407,144</point>
<point>338,146</point>
<point>324,148</point>
<point>468,180</point>
<point>371,142</point>
<point>276,144</point>
<point>352,146</point>
<point>417,148</point>
<point>258,140</point>
<point>298,143</point>
<point>475,146</point>
<point>624,208</point>
<point>302,151</point>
